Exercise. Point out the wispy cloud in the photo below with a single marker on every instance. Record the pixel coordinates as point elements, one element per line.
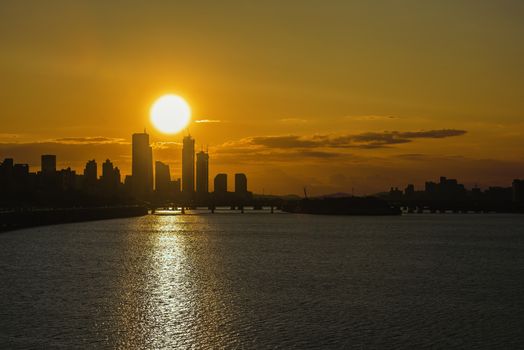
<point>208,121</point>
<point>293,120</point>
<point>11,137</point>
<point>364,140</point>
<point>371,117</point>
<point>289,141</point>
<point>166,145</point>
<point>319,147</point>
<point>89,140</point>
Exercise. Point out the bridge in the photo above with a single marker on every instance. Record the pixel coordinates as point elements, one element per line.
<point>455,206</point>
<point>241,205</point>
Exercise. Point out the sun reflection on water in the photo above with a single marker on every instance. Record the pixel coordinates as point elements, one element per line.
<point>173,296</point>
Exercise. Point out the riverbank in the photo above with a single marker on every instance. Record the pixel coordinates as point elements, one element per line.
<point>40,217</point>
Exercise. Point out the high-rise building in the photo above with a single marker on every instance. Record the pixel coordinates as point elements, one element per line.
<point>107,169</point>
<point>142,167</point>
<point>240,183</point>
<point>409,191</point>
<point>188,166</point>
<point>175,187</point>
<point>162,177</point>
<point>117,176</point>
<point>48,164</point>
<point>202,173</point>
<point>220,184</point>
<point>518,191</point>
<point>90,173</point>
<point>110,179</point>
<point>66,179</point>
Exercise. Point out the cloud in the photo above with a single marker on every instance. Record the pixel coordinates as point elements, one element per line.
<point>433,134</point>
<point>320,147</point>
<point>208,121</point>
<point>293,120</point>
<point>319,154</point>
<point>166,145</point>
<point>367,140</point>
<point>289,141</point>
<point>371,117</point>
<point>89,140</point>
<point>9,136</point>
<point>245,155</point>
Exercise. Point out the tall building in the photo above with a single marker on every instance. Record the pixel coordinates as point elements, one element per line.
<point>142,167</point>
<point>162,177</point>
<point>110,178</point>
<point>188,166</point>
<point>175,187</point>
<point>202,173</point>
<point>90,173</point>
<point>66,179</point>
<point>48,164</point>
<point>220,184</point>
<point>518,191</point>
<point>117,176</point>
<point>240,183</point>
<point>107,169</point>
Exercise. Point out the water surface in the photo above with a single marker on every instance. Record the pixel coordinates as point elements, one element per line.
<point>266,281</point>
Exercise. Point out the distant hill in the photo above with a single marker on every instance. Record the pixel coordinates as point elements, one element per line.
<point>270,196</point>
<point>296,197</point>
<point>335,195</point>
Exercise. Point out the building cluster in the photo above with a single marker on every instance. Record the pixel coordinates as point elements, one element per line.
<point>50,186</point>
<point>192,188</point>
<point>451,190</point>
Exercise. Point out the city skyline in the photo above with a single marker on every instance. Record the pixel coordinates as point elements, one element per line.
<point>176,172</point>
<point>198,178</point>
<point>373,95</point>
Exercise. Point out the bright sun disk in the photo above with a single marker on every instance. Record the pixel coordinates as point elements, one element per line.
<point>170,114</point>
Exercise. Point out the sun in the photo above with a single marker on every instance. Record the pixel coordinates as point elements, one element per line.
<point>170,114</point>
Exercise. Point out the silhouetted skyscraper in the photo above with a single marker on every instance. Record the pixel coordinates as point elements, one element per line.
<point>188,166</point>
<point>117,176</point>
<point>107,169</point>
<point>110,179</point>
<point>175,187</point>
<point>202,173</point>
<point>142,167</point>
<point>409,191</point>
<point>162,177</point>
<point>518,191</point>
<point>240,183</point>
<point>8,163</point>
<point>48,164</point>
<point>220,184</point>
<point>90,172</point>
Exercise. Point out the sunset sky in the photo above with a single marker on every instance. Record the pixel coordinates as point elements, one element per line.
<point>332,95</point>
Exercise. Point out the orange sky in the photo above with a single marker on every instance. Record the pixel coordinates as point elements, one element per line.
<point>335,96</point>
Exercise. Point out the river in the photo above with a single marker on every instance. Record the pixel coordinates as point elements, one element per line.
<point>266,281</point>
